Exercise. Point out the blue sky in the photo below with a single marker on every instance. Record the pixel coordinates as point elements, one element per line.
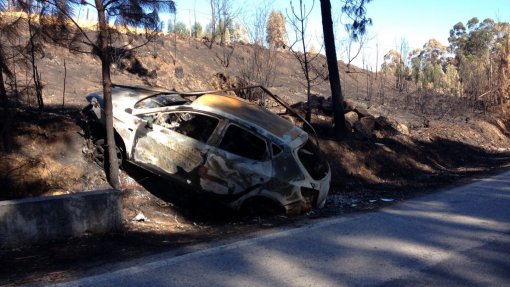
<point>419,21</point>
<point>416,21</point>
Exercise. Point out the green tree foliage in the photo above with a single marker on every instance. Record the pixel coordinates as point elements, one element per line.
<point>479,55</point>
<point>221,31</point>
<point>428,66</point>
<point>197,30</point>
<point>476,39</point>
<point>170,28</point>
<point>452,81</point>
<point>474,66</point>
<point>223,17</point>
<point>357,12</point>
<point>181,30</point>
<point>396,63</point>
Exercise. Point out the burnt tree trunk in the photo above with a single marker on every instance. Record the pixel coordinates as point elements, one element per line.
<point>3,91</point>
<point>111,163</point>
<point>5,124</point>
<point>213,25</point>
<point>35,73</point>
<point>64,90</point>
<point>334,77</point>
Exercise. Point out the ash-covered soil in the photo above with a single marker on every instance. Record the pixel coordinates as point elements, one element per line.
<point>429,143</point>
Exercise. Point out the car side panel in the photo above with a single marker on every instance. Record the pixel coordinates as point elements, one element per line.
<point>126,125</point>
<point>286,172</point>
<point>225,173</point>
<point>166,152</point>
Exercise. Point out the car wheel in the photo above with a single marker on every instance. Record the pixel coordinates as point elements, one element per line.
<point>262,207</point>
<point>100,153</point>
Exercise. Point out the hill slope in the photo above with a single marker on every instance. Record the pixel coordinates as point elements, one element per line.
<point>421,142</point>
<point>418,122</point>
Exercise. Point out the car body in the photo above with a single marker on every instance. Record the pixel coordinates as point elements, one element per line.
<point>217,144</point>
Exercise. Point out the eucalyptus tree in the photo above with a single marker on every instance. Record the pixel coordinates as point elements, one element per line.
<point>474,46</point>
<point>429,65</point>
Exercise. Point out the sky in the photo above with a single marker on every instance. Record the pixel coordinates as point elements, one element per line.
<point>419,21</point>
<point>393,20</point>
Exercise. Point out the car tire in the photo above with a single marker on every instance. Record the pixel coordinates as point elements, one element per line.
<point>100,149</point>
<point>261,207</point>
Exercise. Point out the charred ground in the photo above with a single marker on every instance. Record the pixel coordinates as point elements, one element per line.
<point>420,142</point>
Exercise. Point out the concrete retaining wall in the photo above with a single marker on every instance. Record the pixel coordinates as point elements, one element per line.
<point>35,220</point>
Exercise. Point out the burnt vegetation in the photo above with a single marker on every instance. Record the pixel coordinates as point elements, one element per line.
<point>462,83</point>
<point>428,118</point>
<point>468,79</point>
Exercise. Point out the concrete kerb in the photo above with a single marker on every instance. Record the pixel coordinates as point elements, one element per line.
<point>36,220</point>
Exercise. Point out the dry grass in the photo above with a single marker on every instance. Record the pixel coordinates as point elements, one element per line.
<point>46,158</point>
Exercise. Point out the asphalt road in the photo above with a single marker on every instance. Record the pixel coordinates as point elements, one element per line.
<point>456,237</point>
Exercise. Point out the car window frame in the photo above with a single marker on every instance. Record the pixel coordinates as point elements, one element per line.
<point>212,137</point>
<point>273,155</point>
<point>221,135</point>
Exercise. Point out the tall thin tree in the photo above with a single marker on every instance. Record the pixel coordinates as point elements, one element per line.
<point>340,129</point>
<point>126,13</point>
<point>355,9</point>
<point>299,22</point>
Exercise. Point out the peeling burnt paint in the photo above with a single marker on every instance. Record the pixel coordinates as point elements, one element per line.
<point>251,114</point>
<point>124,133</point>
<point>220,177</point>
<point>167,153</point>
<point>224,174</point>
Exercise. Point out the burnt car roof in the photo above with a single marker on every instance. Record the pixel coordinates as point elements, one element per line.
<point>126,97</point>
<point>250,113</point>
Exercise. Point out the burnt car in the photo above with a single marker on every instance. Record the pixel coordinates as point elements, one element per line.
<point>216,144</point>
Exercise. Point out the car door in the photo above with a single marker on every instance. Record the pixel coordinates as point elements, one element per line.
<point>238,164</point>
<point>174,144</point>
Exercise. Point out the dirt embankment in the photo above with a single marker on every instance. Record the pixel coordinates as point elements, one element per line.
<point>44,157</point>
<point>381,162</point>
